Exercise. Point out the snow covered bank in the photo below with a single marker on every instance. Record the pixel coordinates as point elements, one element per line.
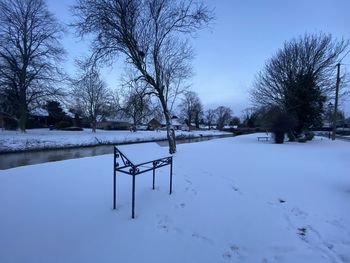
<point>37,139</point>
<point>234,200</point>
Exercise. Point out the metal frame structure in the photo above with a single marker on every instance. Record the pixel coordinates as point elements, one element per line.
<point>127,167</point>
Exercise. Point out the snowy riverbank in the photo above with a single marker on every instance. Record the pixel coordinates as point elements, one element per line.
<point>37,139</point>
<point>234,200</point>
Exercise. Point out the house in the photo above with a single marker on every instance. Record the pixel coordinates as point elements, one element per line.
<point>113,125</point>
<point>154,124</point>
<point>109,123</point>
<point>177,125</point>
<point>38,118</point>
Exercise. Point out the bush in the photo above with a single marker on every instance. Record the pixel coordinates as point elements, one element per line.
<point>291,136</point>
<point>63,124</point>
<point>302,139</point>
<point>281,123</point>
<point>10,124</point>
<point>343,133</point>
<point>72,129</point>
<point>279,136</point>
<point>309,136</point>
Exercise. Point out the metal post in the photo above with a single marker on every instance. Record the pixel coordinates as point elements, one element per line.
<point>133,197</point>
<point>171,175</point>
<point>154,175</point>
<point>334,130</point>
<point>114,181</point>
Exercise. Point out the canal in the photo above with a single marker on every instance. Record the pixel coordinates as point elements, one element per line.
<point>11,160</point>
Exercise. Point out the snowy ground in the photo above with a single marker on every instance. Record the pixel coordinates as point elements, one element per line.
<point>46,139</point>
<point>234,200</point>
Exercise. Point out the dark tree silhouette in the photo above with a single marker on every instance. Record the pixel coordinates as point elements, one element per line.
<point>55,111</point>
<point>30,53</point>
<point>137,102</point>
<point>235,121</point>
<point>91,95</point>
<point>210,117</point>
<point>191,108</point>
<point>299,78</point>
<point>223,116</point>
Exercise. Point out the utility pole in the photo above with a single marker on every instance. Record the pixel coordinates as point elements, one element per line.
<point>336,102</point>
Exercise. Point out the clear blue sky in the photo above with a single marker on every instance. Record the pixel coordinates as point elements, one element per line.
<point>244,35</point>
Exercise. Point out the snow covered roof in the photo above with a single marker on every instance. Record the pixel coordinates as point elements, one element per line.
<point>69,114</point>
<point>174,122</point>
<point>39,112</point>
<point>116,119</point>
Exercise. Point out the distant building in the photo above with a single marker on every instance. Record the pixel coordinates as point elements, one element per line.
<point>38,118</point>
<point>154,124</point>
<point>110,123</point>
<point>177,124</point>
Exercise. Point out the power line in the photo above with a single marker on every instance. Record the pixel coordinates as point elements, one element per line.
<point>344,56</point>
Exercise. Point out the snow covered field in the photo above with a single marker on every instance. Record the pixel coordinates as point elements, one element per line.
<point>234,200</point>
<point>46,139</point>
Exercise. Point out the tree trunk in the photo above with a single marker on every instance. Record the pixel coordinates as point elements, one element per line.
<point>169,128</point>
<point>23,111</point>
<point>22,120</point>
<point>93,125</point>
<point>197,121</point>
<point>170,134</point>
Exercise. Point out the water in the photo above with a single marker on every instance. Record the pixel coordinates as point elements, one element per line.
<point>11,160</point>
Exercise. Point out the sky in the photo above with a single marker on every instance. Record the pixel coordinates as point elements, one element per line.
<point>244,35</point>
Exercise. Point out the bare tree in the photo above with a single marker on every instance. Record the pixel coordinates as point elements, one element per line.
<point>235,121</point>
<point>198,112</point>
<point>152,36</point>
<point>223,116</point>
<point>30,53</point>
<point>91,95</point>
<point>137,102</point>
<point>300,77</point>
<point>191,108</point>
<point>210,117</point>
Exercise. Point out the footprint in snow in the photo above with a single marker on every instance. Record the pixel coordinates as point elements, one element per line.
<point>302,231</point>
<point>165,224</point>
<point>299,213</point>
<point>314,239</point>
<point>202,238</point>
<point>236,189</point>
<point>181,205</point>
<point>188,181</point>
<point>279,201</point>
<point>234,251</point>
<point>192,190</point>
<point>336,223</point>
